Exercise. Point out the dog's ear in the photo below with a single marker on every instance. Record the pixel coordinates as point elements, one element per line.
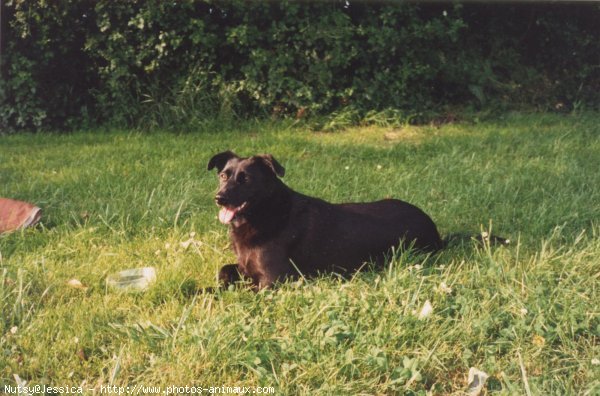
<point>219,160</point>
<point>272,163</point>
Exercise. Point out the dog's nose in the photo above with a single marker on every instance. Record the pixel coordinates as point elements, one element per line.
<point>220,199</point>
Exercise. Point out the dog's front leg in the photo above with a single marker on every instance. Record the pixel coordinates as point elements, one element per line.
<point>228,275</point>
<point>272,267</point>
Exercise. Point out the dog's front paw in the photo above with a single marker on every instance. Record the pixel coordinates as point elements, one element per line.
<point>228,275</point>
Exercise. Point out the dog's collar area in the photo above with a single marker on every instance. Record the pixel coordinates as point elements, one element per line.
<point>228,214</point>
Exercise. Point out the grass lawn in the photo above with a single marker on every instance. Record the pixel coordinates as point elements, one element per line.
<point>527,314</point>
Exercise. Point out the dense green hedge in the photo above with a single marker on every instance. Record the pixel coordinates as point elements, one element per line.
<point>155,63</point>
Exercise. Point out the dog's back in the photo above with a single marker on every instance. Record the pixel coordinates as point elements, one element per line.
<point>342,237</point>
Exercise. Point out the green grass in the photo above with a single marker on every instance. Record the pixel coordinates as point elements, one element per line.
<point>528,314</point>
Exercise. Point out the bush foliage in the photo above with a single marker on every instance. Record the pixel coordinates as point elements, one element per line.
<point>152,63</point>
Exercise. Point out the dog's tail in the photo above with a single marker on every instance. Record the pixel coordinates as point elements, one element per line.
<point>483,239</point>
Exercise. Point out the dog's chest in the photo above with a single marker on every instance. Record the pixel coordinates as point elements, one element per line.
<point>249,262</point>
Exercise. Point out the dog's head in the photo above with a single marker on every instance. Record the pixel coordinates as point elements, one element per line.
<point>243,182</point>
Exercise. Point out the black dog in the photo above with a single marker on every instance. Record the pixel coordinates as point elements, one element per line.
<point>277,232</point>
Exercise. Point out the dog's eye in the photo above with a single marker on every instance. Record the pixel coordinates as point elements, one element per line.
<point>240,178</point>
<point>223,176</point>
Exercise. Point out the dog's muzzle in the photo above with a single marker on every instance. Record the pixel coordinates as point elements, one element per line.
<point>227,214</point>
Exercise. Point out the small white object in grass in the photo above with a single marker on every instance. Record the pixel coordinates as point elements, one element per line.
<point>523,311</point>
<point>137,279</point>
<point>76,284</point>
<point>22,385</point>
<point>157,252</point>
<point>167,245</point>
<point>191,241</point>
<point>476,381</point>
<point>379,167</point>
<point>13,330</point>
<point>444,288</point>
<point>346,167</point>
<point>426,310</point>
<point>595,362</point>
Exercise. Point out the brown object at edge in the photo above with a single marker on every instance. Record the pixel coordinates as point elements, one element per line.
<point>15,215</point>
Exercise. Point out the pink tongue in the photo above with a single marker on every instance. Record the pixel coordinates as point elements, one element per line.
<point>226,215</point>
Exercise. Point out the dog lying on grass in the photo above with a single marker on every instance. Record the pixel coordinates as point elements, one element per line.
<point>278,233</point>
